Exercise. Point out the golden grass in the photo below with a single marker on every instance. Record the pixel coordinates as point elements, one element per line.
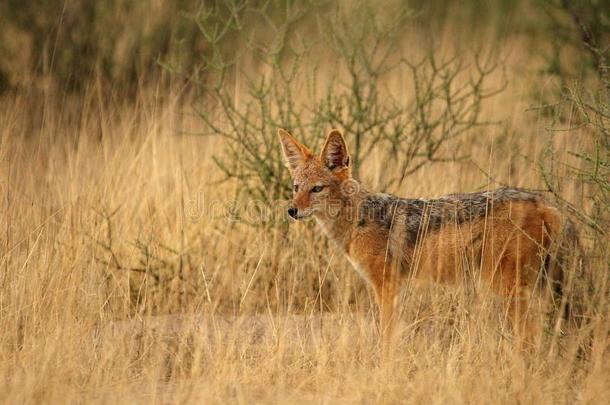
<point>236,314</point>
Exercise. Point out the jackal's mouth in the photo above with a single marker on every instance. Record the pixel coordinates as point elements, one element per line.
<point>305,215</point>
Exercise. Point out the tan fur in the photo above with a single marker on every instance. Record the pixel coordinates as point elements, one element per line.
<point>502,241</point>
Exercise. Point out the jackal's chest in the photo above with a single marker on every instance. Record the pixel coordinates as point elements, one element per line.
<point>356,265</point>
<point>368,252</point>
<point>364,247</point>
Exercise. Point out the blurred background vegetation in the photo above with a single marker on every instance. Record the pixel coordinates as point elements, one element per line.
<point>69,43</point>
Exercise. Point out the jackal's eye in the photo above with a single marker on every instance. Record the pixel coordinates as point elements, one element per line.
<point>317,189</point>
<point>295,188</point>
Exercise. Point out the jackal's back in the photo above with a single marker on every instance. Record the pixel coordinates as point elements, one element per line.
<point>505,233</point>
<point>422,216</point>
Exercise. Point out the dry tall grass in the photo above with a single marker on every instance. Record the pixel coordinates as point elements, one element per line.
<point>124,278</point>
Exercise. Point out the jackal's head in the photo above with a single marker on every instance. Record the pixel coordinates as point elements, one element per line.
<point>318,181</point>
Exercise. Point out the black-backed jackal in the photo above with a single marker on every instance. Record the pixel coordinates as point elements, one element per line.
<point>510,238</point>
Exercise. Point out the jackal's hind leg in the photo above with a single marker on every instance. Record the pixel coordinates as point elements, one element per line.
<point>522,314</point>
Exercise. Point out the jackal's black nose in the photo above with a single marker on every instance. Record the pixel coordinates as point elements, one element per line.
<point>292,211</point>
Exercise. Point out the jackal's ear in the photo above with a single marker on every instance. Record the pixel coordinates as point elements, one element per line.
<point>334,153</point>
<point>294,152</point>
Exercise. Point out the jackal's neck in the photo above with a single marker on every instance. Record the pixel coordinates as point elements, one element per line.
<point>341,216</point>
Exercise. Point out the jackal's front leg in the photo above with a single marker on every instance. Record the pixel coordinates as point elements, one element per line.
<point>386,289</point>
